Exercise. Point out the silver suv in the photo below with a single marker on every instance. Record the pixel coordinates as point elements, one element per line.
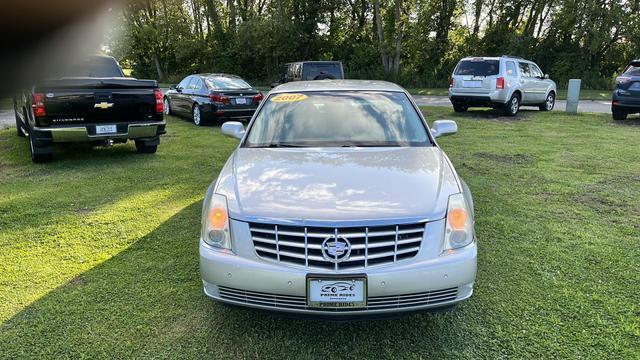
<point>500,82</point>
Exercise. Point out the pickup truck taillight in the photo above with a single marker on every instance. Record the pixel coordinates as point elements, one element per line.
<point>219,99</point>
<point>159,103</point>
<point>37,105</point>
<point>500,83</point>
<point>258,97</point>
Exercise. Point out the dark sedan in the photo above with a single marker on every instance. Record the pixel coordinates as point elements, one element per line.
<point>626,96</point>
<point>212,98</point>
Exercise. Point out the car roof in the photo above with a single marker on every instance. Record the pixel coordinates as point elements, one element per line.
<point>510,57</point>
<point>219,75</point>
<point>337,85</point>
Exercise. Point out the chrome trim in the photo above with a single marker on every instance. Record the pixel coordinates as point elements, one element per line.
<point>80,133</point>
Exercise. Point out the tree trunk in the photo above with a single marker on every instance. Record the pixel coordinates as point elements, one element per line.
<point>232,15</point>
<point>399,34</point>
<point>380,32</point>
<point>156,62</point>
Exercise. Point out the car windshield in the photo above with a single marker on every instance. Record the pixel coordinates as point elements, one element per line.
<point>223,82</point>
<point>633,69</point>
<point>337,119</point>
<point>478,67</point>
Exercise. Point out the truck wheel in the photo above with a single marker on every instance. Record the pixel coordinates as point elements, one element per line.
<point>548,104</point>
<point>18,126</point>
<point>512,106</point>
<point>39,154</point>
<point>144,147</point>
<point>619,115</point>
<point>460,108</point>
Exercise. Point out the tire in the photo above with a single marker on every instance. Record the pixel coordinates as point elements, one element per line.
<point>512,106</point>
<point>144,147</point>
<point>38,154</point>
<point>619,115</point>
<point>549,103</point>
<point>460,108</point>
<point>196,115</point>
<point>18,126</point>
<point>167,106</point>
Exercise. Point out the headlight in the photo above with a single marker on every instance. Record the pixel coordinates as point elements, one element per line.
<point>215,223</point>
<point>459,223</point>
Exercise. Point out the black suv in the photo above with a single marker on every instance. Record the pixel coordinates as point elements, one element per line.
<point>310,70</point>
<point>626,96</point>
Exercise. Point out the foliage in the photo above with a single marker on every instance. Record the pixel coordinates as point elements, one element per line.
<point>414,42</point>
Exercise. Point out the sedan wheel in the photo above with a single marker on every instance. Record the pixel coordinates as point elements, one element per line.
<point>196,115</point>
<point>167,107</point>
<point>549,103</point>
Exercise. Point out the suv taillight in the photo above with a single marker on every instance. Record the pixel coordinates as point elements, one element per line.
<point>219,99</point>
<point>500,83</point>
<point>258,97</point>
<point>159,104</point>
<point>451,82</point>
<point>38,105</point>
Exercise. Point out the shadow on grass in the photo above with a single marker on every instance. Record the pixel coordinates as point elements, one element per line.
<point>147,301</point>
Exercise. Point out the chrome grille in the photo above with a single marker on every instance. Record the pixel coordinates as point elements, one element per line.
<point>373,303</point>
<point>375,245</point>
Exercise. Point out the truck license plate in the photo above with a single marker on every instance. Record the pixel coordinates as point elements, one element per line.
<point>330,292</point>
<point>106,129</point>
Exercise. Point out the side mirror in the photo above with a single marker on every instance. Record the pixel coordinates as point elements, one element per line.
<point>444,127</point>
<point>233,128</point>
<point>178,89</point>
<point>546,76</point>
<point>172,87</point>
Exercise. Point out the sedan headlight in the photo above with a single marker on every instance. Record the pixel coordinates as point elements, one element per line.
<point>459,223</point>
<point>215,223</point>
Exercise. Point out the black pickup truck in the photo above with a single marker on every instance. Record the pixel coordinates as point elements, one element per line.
<point>92,101</point>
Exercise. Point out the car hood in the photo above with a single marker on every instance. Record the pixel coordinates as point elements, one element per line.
<point>337,184</point>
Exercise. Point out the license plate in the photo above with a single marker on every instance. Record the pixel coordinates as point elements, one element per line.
<point>472,83</point>
<point>330,292</point>
<point>241,101</point>
<point>106,129</point>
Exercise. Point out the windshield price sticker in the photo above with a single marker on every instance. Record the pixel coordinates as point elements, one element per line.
<point>288,98</point>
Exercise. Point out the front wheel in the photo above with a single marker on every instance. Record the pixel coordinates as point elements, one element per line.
<point>196,115</point>
<point>512,106</point>
<point>460,108</point>
<point>549,103</point>
<point>619,115</point>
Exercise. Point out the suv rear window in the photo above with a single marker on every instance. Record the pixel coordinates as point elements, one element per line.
<point>311,71</point>
<point>633,69</point>
<point>478,67</point>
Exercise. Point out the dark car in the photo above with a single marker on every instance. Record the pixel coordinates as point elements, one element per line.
<point>212,97</point>
<point>626,96</point>
<point>89,101</point>
<point>310,70</point>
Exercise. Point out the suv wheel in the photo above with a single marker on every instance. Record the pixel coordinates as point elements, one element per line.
<point>460,108</point>
<point>512,106</point>
<point>38,153</point>
<point>619,115</point>
<point>196,115</point>
<point>549,103</point>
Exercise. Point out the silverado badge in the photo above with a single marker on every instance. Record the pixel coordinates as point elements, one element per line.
<point>103,105</point>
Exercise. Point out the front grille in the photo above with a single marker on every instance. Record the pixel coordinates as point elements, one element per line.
<point>373,303</point>
<point>370,246</point>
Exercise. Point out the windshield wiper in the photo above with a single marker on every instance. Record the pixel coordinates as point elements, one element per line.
<point>279,145</point>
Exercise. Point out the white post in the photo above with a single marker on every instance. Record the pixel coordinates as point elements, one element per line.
<point>573,96</point>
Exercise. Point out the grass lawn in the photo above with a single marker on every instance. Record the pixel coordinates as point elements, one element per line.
<point>604,95</point>
<point>99,251</point>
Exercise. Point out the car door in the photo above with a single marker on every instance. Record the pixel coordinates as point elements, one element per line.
<point>177,100</point>
<point>195,87</point>
<point>527,84</point>
<point>540,88</point>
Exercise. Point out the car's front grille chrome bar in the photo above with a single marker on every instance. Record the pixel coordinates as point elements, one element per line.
<point>367,246</point>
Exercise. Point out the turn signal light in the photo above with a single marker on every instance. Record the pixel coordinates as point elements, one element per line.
<point>38,105</point>
<point>500,83</point>
<point>457,219</point>
<point>218,218</point>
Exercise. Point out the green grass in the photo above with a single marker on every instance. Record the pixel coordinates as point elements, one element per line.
<point>99,251</point>
<point>562,93</point>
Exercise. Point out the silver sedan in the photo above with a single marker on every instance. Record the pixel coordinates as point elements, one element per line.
<point>338,202</point>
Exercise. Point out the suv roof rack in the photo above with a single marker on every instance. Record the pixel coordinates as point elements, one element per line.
<point>513,56</point>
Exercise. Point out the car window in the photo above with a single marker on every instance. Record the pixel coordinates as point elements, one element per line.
<point>226,82</point>
<point>92,66</point>
<point>312,71</point>
<point>184,83</point>
<point>479,67</point>
<point>338,118</point>
<point>196,84</point>
<point>633,69</point>
<point>535,70</point>
<point>524,69</point>
<point>511,68</point>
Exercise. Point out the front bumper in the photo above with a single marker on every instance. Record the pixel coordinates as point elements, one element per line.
<point>87,133</point>
<point>420,283</point>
